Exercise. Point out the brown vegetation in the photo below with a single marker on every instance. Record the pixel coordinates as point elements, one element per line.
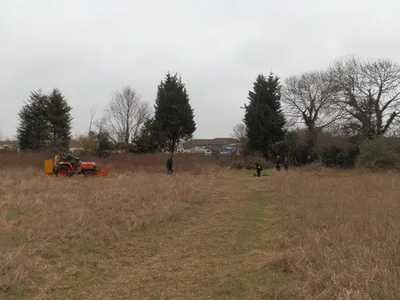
<point>204,233</point>
<point>341,234</point>
<point>55,231</point>
<point>122,162</point>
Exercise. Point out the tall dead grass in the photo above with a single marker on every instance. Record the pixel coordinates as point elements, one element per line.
<point>126,162</point>
<point>342,233</point>
<point>338,231</point>
<point>52,227</point>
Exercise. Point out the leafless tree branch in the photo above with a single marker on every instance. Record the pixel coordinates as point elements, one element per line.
<point>126,114</point>
<point>240,134</point>
<point>310,98</point>
<point>369,93</point>
<point>92,116</point>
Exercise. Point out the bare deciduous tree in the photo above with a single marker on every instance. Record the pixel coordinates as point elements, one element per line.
<point>125,115</point>
<point>310,98</point>
<point>370,94</point>
<point>395,130</point>
<point>89,142</point>
<point>240,134</point>
<point>101,124</point>
<point>92,115</point>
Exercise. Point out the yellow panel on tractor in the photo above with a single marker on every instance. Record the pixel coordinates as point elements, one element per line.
<point>48,166</point>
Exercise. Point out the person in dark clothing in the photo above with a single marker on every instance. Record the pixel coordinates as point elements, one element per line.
<point>278,163</point>
<point>73,160</point>
<point>286,163</point>
<point>258,169</point>
<point>169,165</point>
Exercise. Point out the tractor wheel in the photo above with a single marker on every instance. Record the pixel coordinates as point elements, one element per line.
<point>62,172</point>
<point>89,174</point>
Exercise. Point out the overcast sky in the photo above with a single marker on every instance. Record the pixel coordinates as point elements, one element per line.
<point>89,49</point>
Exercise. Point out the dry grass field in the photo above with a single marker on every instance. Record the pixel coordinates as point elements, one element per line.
<point>210,234</point>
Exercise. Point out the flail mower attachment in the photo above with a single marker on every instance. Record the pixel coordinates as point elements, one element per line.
<point>103,172</point>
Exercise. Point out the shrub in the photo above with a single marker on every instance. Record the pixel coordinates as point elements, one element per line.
<point>249,163</point>
<point>335,156</point>
<point>238,164</point>
<point>89,142</point>
<point>314,167</point>
<point>380,153</point>
<point>294,147</point>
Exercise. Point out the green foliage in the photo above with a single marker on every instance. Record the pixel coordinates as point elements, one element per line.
<point>104,143</point>
<point>380,153</point>
<point>33,131</point>
<point>299,152</point>
<point>296,148</point>
<point>174,119</point>
<point>335,156</point>
<point>148,140</point>
<point>45,121</point>
<point>263,117</point>
<point>59,117</point>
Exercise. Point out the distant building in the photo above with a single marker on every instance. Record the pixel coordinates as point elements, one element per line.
<point>75,146</point>
<point>9,146</point>
<point>217,145</point>
<point>228,149</point>
<point>180,148</point>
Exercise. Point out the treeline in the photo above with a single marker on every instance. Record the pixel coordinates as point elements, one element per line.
<point>127,123</point>
<point>347,111</point>
<point>353,107</point>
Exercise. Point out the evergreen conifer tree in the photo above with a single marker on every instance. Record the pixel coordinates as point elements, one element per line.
<point>148,139</point>
<point>59,117</point>
<point>45,120</point>
<point>174,119</point>
<point>105,144</point>
<point>263,117</point>
<point>33,131</point>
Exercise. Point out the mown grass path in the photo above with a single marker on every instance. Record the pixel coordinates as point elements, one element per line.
<point>223,249</point>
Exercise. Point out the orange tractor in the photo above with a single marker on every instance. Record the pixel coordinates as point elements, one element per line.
<point>73,166</point>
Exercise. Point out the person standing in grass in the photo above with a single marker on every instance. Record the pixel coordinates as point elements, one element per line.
<point>286,163</point>
<point>73,160</point>
<point>258,169</point>
<point>169,165</point>
<point>278,163</point>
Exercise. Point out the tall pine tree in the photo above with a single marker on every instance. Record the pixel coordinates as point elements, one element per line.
<point>263,117</point>
<point>59,117</point>
<point>174,119</point>
<point>45,120</point>
<point>33,131</point>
